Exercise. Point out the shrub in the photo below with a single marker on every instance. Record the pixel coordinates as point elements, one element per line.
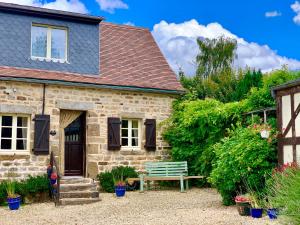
<point>242,158</point>
<point>33,185</point>
<point>284,193</point>
<point>106,178</point>
<point>106,181</point>
<point>195,126</point>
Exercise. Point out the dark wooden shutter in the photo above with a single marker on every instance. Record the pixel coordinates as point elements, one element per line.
<point>41,134</point>
<point>113,133</point>
<point>150,134</point>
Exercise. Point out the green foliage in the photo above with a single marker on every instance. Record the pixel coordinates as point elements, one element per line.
<point>10,187</point>
<point>216,56</point>
<point>195,126</point>
<point>242,158</point>
<point>284,194</point>
<point>106,179</point>
<point>33,185</point>
<point>30,186</point>
<point>227,86</point>
<point>262,97</point>
<point>247,80</point>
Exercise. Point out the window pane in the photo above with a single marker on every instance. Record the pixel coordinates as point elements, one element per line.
<point>22,122</point>
<point>21,132</point>
<point>5,144</point>
<point>58,43</point>
<point>124,133</point>
<point>135,142</point>
<point>6,132</point>
<point>6,120</point>
<point>124,123</point>
<point>124,141</point>
<point>135,133</point>
<point>135,124</point>
<point>39,41</point>
<point>21,144</point>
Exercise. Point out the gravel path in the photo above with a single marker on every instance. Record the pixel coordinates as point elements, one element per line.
<point>196,207</point>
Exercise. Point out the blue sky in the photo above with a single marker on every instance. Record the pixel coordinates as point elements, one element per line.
<point>267,31</point>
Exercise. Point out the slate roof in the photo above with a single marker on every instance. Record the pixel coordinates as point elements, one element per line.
<point>129,57</point>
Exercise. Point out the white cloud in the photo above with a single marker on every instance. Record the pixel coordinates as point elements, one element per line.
<point>296,8</point>
<point>129,23</point>
<point>178,44</point>
<point>272,14</point>
<point>111,5</point>
<point>65,5</point>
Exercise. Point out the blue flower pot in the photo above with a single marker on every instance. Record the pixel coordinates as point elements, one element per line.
<point>14,203</point>
<point>272,213</point>
<point>52,181</point>
<point>256,213</point>
<point>120,191</point>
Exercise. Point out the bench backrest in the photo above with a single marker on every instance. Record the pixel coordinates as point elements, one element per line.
<point>166,169</point>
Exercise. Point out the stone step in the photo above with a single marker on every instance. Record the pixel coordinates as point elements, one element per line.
<point>78,201</point>
<point>76,180</point>
<point>79,194</point>
<point>78,187</point>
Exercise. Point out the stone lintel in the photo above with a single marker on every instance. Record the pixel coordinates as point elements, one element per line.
<point>132,115</point>
<point>81,106</point>
<point>5,108</point>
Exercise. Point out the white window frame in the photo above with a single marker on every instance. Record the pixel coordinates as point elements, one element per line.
<point>48,50</point>
<point>14,135</point>
<point>130,147</point>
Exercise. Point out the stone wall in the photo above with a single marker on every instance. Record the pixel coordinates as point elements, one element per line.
<point>98,104</point>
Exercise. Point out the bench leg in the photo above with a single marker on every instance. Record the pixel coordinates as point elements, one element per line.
<point>148,185</point>
<point>186,184</point>
<point>141,183</point>
<point>181,184</point>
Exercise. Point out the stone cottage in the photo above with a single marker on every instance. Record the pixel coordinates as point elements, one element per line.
<point>91,92</point>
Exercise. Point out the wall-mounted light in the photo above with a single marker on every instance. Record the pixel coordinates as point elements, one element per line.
<point>52,132</point>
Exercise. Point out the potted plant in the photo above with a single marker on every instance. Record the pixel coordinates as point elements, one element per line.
<point>13,199</point>
<point>272,213</point>
<point>120,185</point>
<point>243,205</point>
<point>256,209</point>
<point>265,131</point>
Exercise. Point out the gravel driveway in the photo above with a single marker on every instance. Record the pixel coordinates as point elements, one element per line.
<point>197,207</point>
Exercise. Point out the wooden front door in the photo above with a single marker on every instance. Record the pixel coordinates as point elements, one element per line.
<point>74,147</point>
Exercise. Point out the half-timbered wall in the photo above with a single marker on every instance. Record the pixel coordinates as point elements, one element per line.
<point>288,108</point>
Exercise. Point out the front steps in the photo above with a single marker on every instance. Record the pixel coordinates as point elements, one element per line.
<point>77,191</point>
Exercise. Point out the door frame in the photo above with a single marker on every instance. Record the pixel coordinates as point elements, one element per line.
<point>83,133</point>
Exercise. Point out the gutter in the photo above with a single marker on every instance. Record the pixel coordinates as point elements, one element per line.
<point>90,85</point>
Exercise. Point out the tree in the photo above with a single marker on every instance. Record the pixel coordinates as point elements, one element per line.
<point>216,56</point>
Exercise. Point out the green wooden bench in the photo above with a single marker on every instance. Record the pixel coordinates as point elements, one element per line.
<point>165,171</point>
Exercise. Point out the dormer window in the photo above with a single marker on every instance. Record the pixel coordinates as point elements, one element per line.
<point>49,43</point>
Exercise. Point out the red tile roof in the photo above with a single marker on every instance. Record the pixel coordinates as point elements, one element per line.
<point>129,56</point>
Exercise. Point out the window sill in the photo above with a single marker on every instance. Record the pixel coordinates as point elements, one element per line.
<point>49,60</point>
<point>12,153</point>
<point>131,149</point>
